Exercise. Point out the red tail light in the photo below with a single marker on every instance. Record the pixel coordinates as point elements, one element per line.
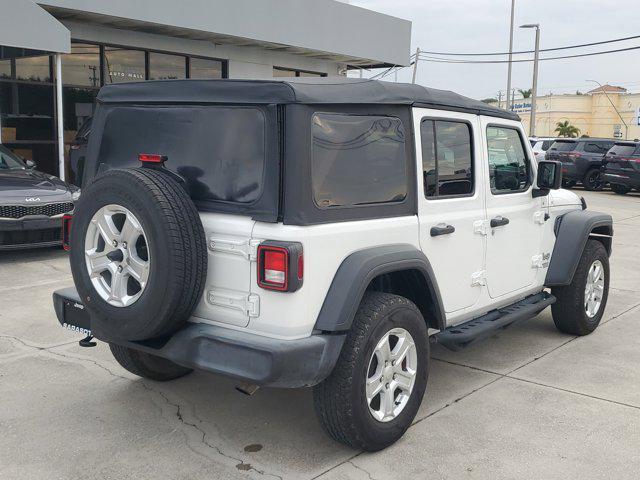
<point>152,158</point>
<point>280,266</point>
<point>66,231</point>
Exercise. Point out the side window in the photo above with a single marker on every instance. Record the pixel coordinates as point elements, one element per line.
<point>358,160</point>
<point>546,144</point>
<point>508,162</point>
<point>447,165</point>
<point>592,147</point>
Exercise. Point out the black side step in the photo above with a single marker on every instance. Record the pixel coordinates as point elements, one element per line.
<point>459,336</point>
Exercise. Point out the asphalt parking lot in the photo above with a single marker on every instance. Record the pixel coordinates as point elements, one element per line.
<point>530,403</point>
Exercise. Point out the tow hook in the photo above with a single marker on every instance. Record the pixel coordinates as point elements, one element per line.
<point>87,342</point>
<point>247,388</point>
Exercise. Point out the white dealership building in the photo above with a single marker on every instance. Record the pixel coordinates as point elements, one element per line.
<point>56,54</point>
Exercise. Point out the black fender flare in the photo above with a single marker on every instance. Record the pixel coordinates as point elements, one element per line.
<point>572,231</point>
<point>356,273</point>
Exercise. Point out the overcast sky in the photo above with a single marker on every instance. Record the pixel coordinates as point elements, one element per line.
<point>483,26</point>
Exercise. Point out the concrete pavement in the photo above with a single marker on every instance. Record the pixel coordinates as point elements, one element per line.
<point>529,403</point>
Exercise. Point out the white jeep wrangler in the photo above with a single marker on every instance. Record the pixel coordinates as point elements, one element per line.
<point>320,233</point>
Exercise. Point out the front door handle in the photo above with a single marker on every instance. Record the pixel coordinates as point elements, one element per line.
<point>499,221</point>
<point>442,229</point>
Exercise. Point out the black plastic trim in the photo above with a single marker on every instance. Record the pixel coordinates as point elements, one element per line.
<point>572,232</point>
<point>459,336</point>
<point>356,273</point>
<point>240,355</point>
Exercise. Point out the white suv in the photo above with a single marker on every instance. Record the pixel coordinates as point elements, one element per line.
<point>540,145</point>
<point>320,233</point>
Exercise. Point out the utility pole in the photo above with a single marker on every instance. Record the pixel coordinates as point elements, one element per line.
<point>626,127</point>
<point>513,8</point>
<point>513,97</point>
<point>499,98</point>
<point>534,88</point>
<point>415,65</point>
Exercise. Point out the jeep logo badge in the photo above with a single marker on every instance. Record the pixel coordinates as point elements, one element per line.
<point>32,199</point>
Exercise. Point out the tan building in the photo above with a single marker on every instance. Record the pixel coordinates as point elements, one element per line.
<point>591,112</point>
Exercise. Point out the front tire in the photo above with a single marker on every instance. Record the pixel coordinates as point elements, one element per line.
<point>376,388</point>
<point>146,365</point>
<point>580,305</point>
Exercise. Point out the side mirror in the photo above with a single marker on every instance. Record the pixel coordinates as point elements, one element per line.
<point>549,175</point>
<point>30,164</point>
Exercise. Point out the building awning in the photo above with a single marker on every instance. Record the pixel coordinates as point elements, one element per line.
<point>322,29</point>
<point>23,24</point>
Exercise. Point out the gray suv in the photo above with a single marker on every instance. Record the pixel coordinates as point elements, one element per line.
<point>581,160</point>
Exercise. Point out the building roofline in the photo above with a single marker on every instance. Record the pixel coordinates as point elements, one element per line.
<point>323,29</point>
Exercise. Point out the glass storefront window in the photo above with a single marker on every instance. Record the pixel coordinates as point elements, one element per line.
<point>204,69</point>
<point>122,65</point>
<point>81,67</point>
<point>35,69</point>
<point>166,67</point>
<point>5,68</point>
<point>281,72</point>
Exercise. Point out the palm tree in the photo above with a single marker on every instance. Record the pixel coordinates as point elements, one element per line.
<point>565,129</point>
<point>526,93</point>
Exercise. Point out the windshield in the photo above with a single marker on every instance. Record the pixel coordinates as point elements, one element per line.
<point>564,146</point>
<point>9,160</point>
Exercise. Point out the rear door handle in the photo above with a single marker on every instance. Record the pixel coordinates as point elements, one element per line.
<point>442,230</point>
<point>499,221</point>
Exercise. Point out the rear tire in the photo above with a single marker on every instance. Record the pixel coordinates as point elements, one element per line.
<point>620,189</point>
<point>342,400</point>
<point>146,365</point>
<point>592,180</point>
<point>572,313</point>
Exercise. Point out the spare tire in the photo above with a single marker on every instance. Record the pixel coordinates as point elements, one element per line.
<point>138,254</point>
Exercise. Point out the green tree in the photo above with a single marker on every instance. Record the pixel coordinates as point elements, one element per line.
<point>489,100</point>
<point>526,93</point>
<point>565,129</point>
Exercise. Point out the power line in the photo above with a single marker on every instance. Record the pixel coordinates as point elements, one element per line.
<point>476,54</point>
<point>427,58</point>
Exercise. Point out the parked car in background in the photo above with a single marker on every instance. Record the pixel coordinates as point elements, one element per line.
<point>78,151</point>
<point>582,160</point>
<point>622,167</point>
<point>32,204</point>
<point>540,145</point>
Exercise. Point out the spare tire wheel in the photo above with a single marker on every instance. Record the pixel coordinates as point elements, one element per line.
<point>138,254</point>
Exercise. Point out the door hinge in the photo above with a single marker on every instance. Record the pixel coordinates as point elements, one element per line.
<point>481,227</point>
<point>540,217</point>
<point>247,248</point>
<point>249,304</point>
<point>479,279</point>
<point>540,260</point>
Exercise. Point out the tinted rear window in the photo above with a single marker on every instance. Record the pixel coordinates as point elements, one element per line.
<point>220,151</point>
<point>624,150</point>
<point>597,147</point>
<point>564,146</point>
<point>358,160</point>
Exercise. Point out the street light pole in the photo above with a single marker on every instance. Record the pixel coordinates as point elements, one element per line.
<point>534,88</point>
<point>513,7</point>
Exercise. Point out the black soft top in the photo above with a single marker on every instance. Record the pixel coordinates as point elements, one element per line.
<point>300,90</point>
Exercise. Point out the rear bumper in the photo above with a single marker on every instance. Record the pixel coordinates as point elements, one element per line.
<point>247,357</point>
<point>30,232</point>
